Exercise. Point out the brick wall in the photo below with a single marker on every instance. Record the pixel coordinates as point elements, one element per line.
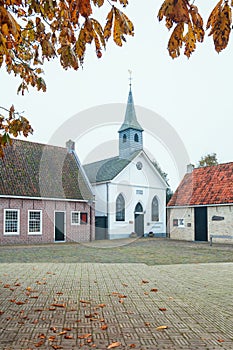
<point>77,233</point>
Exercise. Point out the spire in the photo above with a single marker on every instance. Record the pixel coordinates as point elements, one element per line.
<point>130,121</point>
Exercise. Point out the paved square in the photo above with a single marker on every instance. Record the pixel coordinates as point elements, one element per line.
<point>118,306</point>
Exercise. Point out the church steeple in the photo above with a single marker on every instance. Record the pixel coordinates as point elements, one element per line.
<point>130,132</point>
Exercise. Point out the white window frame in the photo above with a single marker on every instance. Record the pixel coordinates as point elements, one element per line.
<point>18,222</point>
<point>75,223</point>
<point>37,232</point>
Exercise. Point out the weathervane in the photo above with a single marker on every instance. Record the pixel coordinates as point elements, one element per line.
<point>130,77</point>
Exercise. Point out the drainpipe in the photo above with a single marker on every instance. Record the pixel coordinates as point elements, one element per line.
<point>108,218</point>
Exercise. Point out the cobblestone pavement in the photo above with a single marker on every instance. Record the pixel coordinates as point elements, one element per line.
<point>116,306</point>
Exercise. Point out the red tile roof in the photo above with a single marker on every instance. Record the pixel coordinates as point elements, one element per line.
<point>207,185</point>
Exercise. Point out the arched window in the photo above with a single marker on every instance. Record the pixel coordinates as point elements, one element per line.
<point>136,139</point>
<point>124,138</point>
<point>138,208</point>
<point>120,208</point>
<point>155,209</point>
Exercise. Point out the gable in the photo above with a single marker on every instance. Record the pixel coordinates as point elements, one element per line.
<point>205,186</point>
<point>141,171</point>
<point>36,170</point>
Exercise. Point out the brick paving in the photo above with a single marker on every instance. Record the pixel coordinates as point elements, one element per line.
<point>91,306</point>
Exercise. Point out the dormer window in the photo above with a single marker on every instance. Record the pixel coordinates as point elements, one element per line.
<point>124,138</point>
<point>136,139</point>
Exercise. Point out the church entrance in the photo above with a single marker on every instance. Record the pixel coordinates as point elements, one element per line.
<point>139,220</point>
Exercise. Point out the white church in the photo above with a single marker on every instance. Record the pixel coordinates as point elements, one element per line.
<point>130,193</point>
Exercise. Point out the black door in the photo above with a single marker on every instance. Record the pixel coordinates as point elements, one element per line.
<point>201,227</point>
<point>59,226</point>
<point>139,220</point>
<point>101,227</point>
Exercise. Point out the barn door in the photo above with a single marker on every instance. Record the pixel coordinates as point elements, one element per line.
<point>59,226</point>
<point>201,224</point>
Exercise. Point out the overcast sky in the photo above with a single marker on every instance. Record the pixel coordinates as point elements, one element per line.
<point>194,97</point>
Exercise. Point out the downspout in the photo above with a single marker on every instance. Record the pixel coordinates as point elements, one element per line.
<point>108,218</point>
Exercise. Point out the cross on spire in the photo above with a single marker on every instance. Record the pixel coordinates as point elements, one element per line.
<point>130,78</point>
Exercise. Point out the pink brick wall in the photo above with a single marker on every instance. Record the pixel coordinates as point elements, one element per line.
<point>77,233</point>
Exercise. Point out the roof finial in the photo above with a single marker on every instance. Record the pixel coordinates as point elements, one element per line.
<point>130,78</point>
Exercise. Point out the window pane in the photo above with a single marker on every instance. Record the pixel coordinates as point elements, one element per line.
<point>11,221</point>
<point>34,224</point>
<point>75,217</point>
<point>155,209</point>
<point>120,208</point>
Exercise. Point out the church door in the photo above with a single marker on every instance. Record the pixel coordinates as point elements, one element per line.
<point>139,220</point>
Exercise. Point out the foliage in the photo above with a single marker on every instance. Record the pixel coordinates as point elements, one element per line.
<point>189,26</point>
<point>14,124</point>
<point>208,160</point>
<point>33,31</point>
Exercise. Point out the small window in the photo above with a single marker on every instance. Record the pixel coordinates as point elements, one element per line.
<point>75,218</point>
<point>155,209</point>
<point>11,221</point>
<point>175,222</point>
<point>136,139</point>
<point>34,222</point>
<point>180,222</point>
<point>83,218</point>
<point>120,208</point>
<point>124,138</point>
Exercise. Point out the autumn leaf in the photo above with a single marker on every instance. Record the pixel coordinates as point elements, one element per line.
<point>162,309</point>
<point>220,21</point>
<point>84,336</point>
<point>104,327</point>
<point>154,290</point>
<point>58,305</point>
<point>161,328</point>
<point>176,41</point>
<point>114,345</point>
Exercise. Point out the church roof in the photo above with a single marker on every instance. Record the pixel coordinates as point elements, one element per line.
<point>107,169</point>
<point>130,121</point>
<point>31,169</point>
<point>205,186</point>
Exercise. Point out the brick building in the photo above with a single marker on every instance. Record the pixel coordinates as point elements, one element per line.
<point>45,195</point>
<point>202,205</point>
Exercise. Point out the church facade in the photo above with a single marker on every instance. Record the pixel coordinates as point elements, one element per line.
<point>130,193</point>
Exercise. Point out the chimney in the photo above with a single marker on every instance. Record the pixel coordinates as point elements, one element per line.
<point>190,168</point>
<point>70,145</point>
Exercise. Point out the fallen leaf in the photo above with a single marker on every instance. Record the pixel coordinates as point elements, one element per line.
<point>154,290</point>
<point>122,296</point>
<point>145,281</point>
<point>62,333</point>
<point>84,336</point>
<point>104,327</point>
<point>1,312</point>
<point>162,309</point>
<point>102,305</point>
<point>132,346</point>
<point>40,343</point>
<point>19,302</point>
<point>161,328</point>
<point>57,347</point>
<point>84,301</point>
<point>147,324</point>
<point>68,336</point>
<point>6,286</point>
<point>114,345</point>
<point>58,305</point>
<point>221,340</point>
<point>121,301</point>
